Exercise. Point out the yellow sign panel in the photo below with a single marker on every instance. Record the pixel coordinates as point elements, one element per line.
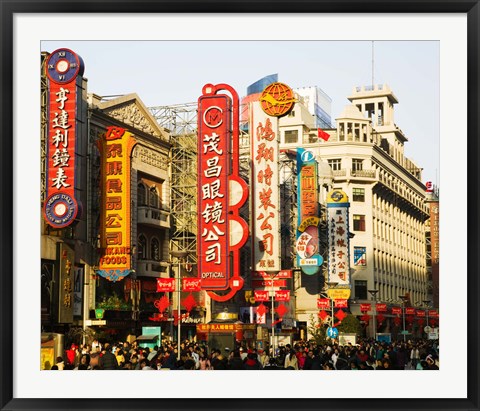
<point>116,214</point>
<point>339,293</point>
<point>337,197</point>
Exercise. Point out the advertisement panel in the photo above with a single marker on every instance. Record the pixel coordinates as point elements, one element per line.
<point>63,67</point>
<point>66,277</point>
<point>308,235</point>
<point>116,149</point>
<point>221,192</point>
<point>265,190</point>
<point>338,238</point>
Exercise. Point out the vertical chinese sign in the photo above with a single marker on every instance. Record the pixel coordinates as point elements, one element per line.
<point>434,239</point>
<point>338,239</point>
<point>221,193</point>
<point>276,100</point>
<point>308,243</point>
<point>116,149</point>
<point>66,283</point>
<point>63,67</point>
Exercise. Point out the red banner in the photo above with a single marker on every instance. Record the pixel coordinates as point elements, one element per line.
<point>420,313</point>
<point>261,295</point>
<point>409,311</point>
<point>365,307</point>
<point>381,308</point>
<point>281,274</point>
<point>191,284</point>
<point>323,303</point>
<point>165,285</point>
<point>396,310</point>
<point>432,313</point>
<point>341,303</point>
<point>268,283</point>
<point>283,295</point>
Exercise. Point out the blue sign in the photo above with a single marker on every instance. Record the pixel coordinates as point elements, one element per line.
<point>332,332</point>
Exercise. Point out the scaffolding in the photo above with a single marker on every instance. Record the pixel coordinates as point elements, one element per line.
<point>181,122</point>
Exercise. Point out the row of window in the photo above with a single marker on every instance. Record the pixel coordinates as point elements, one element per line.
<point>336,164</point>
<point>154,252</point>
<point>387,292</point>
<point>148,196</point>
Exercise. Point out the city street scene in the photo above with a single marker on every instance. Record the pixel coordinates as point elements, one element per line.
<point>240,206</point>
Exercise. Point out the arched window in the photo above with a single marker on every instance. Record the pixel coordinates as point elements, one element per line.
<point>141,194</point>
<point>142,247</point>
<point>154,199</point>
<point>155,249</point>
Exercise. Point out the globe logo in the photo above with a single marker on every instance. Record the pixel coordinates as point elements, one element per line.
<point>277,99</point>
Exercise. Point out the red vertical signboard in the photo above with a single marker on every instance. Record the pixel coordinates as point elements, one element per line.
<point>62,68</point>
<point>221,193</point>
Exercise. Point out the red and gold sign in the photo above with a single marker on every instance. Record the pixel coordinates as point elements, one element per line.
<point>365,307</point>
<point>221,193</point>
<point>191,284</point>
<point>115,260</point>
<point>165,285</point>
<point>269,283</point>
<point>282,295</point>
<point>381,307</point>
<point>410,311</point>
<point>60,207</point>
<point>420,313</point>
<point>396,310</point>
<point>323,303</point>
<point>264,274</point>
<point>277,99</point>
<point>341,303</point>
<point>260,295</point>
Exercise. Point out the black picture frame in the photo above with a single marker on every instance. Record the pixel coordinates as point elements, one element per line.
<point>11,7</point>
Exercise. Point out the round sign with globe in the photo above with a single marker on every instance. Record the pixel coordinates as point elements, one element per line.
<point>277,99</point>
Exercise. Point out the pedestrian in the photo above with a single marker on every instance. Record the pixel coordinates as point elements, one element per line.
<point>291,361</point>
<point>108,361</point>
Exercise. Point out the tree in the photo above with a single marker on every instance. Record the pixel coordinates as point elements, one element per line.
<point>350,325</point>
<point>317,330</point>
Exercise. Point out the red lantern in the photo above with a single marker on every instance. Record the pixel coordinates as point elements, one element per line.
<point>340,315</point>
<point>397,321</point>
<point>162,304</point>
<point>380,318</point>
<point>189,302</point>
<point>281,310</point>
<point>323,315</point>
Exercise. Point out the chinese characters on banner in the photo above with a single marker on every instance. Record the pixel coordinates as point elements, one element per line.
<point>66,278</point>
<point>115,260</point>
<point>265,190</point>
<point>221,193</point>
<point>307,245</point>
<point>338,240</point>
<point>60,207</point>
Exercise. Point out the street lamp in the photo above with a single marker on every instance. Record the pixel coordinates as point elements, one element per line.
<point>272,277</point>
<point>373,293</point>
<point>404,299</point>
<point>179,255</point>
<point>427,306</point>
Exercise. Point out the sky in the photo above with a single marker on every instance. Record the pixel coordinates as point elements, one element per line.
<point>166,73</point>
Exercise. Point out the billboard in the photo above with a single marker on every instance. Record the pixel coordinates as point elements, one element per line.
<point>220,193</point>
<point>63,67</point>
<point>308,236</point>
<point>115,220</point>
<point>338,238</point>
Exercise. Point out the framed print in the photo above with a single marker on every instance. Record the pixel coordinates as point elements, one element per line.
<point>201,185</point>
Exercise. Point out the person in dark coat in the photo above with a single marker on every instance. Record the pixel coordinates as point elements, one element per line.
<point>251,362</point>
<point>108,361</point>
<point>235,361</point>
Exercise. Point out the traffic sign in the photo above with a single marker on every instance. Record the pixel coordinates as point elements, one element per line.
<point>332,332</point>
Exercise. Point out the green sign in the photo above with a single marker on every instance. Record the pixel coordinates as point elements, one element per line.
<point>99,313</point>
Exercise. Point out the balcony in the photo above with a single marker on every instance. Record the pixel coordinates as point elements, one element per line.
<point>350,174</point>
<point>153,217</point>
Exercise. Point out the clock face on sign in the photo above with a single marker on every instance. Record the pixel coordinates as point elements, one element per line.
<point>63,65</point>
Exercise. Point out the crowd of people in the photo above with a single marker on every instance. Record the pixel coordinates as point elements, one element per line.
<point>366,355</point>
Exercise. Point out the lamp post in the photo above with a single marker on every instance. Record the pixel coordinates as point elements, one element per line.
<point>272,292</point>
<point>427,306</point>
<point>403,298</point>
<point>373,293</point>
<point>179,255</point>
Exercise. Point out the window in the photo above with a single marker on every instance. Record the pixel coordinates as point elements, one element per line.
<point>357,164</point>
<point>335,164</point>
<point>358,194</point>
<point>154,199</point>
<point>155,250</point>
<point>358,222</point>
<point>291,137</point>
<point>142,247</point>
<point>141,194</point>
<point>361,289</point>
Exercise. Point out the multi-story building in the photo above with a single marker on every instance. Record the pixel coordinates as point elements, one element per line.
<point>387,197</point>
